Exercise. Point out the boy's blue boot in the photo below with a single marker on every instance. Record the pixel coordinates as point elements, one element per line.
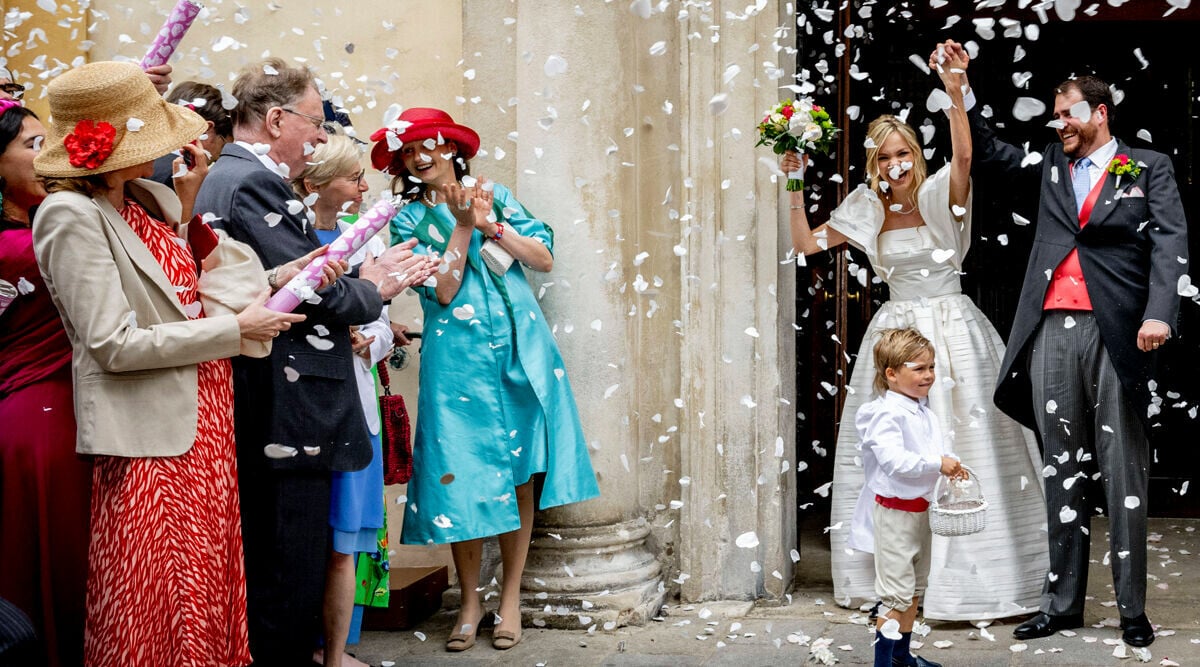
<point>884,650</point>
<point>902,654</point>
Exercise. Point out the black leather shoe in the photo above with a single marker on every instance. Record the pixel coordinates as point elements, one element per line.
<point>918,662</point>
<point>1137,631</point>
<point>1044,625</point>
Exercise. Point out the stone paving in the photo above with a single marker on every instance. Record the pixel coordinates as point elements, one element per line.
<point>746,634</point>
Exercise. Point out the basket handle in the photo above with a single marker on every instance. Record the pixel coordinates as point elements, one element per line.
<point>937,486</point>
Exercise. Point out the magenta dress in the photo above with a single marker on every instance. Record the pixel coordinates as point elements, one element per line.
<point>45,488</point>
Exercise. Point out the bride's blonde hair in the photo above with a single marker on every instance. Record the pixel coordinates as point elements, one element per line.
<point>878,132</point>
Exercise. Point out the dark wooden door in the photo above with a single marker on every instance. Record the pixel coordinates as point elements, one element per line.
<point>1161,96</point>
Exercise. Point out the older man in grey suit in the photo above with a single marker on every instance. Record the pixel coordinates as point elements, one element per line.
<point>1099,299</point>
<point>297,412</point>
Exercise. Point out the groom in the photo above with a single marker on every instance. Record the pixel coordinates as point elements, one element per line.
<point>1099,299</point>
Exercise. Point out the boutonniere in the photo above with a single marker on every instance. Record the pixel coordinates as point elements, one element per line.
<point>1123,165</point>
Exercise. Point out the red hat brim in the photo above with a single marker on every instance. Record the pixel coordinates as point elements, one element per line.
<point>464,137</point>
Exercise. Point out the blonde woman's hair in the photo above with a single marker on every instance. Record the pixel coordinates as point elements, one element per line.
<point>337,157</point>
<point>894,348</point>
<point>878,132</point>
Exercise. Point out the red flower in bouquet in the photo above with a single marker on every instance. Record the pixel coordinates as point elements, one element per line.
<point>90,144</point>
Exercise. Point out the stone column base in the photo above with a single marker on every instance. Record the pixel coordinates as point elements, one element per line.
<point>584,575</point>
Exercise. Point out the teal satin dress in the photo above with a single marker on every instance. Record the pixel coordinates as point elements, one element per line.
<point>495,406</point>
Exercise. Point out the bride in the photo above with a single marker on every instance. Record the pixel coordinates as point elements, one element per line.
<point>915,229</point>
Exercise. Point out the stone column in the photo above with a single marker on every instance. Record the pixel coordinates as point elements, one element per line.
<point>668,296</point>
<point>562,80</point>
<point>738,521</point>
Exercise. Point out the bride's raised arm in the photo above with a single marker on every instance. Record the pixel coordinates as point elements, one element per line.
<point>950,61</point>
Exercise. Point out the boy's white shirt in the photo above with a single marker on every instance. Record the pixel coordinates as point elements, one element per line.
<point>902,448</point>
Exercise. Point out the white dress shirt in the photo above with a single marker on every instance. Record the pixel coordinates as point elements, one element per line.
<point>1100,158</point>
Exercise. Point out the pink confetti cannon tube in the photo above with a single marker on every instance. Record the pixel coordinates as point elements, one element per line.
<point>302,285</point>
<point>184,12</point>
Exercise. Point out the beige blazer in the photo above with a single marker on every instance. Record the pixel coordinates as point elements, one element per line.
<point>135,351</point>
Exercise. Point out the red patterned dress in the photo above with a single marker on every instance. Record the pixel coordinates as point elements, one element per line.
<point>166,582</point>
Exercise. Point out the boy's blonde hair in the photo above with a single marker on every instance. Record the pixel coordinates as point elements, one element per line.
<point>894,348</point>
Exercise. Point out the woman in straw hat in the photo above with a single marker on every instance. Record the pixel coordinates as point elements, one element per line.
<point>495,411</point>
<point>153,386</point>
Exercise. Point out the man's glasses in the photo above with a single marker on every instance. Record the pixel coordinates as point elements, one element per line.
<point>319,123</point>
<point>14,90</point>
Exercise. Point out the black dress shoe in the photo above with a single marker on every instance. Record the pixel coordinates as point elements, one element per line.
<point>1137,631</point>
<point>1044,625</point>
<point>918,661</point>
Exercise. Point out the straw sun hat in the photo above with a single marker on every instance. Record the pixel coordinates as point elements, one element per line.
<point>106,116</point>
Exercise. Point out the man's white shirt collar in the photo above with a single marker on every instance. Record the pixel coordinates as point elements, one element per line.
<point>264,158</point>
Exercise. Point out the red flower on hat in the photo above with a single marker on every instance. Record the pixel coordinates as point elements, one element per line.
<point>90,144</point>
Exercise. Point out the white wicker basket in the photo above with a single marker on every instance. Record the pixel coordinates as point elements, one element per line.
<point>958,511</point>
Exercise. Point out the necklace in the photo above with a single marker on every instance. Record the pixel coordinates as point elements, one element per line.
<point>429,198</point>
<point>903,211</point>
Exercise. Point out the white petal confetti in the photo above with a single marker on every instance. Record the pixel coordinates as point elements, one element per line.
<point>279,451</point>
<point>322,344</point>
<point>747,540</point>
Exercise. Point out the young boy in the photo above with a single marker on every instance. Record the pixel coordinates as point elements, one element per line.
<point>903,455</point>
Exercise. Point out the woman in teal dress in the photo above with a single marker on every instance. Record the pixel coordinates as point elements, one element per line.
<point>497,427</point>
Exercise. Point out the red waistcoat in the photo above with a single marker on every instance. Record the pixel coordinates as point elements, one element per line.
<point>1067,290</point>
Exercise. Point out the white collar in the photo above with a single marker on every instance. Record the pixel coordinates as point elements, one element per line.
<point>1103,155</point>
<point>907,402</point>
<point>267,161</point>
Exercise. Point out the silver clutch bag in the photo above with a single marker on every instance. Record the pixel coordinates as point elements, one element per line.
<point>496,258</point>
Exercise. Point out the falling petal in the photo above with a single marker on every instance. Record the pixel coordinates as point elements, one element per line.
<point>1025,108</point>
<point>274,451</point>
<point>747,540</point>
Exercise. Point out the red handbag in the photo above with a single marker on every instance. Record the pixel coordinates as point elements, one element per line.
<point>396,433</point>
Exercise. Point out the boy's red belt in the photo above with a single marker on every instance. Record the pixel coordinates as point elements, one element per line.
<point>903,504</point>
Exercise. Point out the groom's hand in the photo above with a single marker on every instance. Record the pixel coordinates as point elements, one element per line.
<point>1152,334</point>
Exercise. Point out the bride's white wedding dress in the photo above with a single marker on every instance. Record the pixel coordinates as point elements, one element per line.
<point>995,573</point>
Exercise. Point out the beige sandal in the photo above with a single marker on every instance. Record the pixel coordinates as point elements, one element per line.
<point>505,639</point>
<point>461,641</point>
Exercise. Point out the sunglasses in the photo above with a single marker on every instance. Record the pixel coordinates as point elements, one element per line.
<point>14,90</point>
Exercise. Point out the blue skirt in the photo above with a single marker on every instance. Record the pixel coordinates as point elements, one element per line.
<point>356,505</point>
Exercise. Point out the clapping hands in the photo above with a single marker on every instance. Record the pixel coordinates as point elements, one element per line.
<point>471,205</point>
<point>397,268</point>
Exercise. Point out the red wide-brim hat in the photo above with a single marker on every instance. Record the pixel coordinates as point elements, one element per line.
<point>419,124</point>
